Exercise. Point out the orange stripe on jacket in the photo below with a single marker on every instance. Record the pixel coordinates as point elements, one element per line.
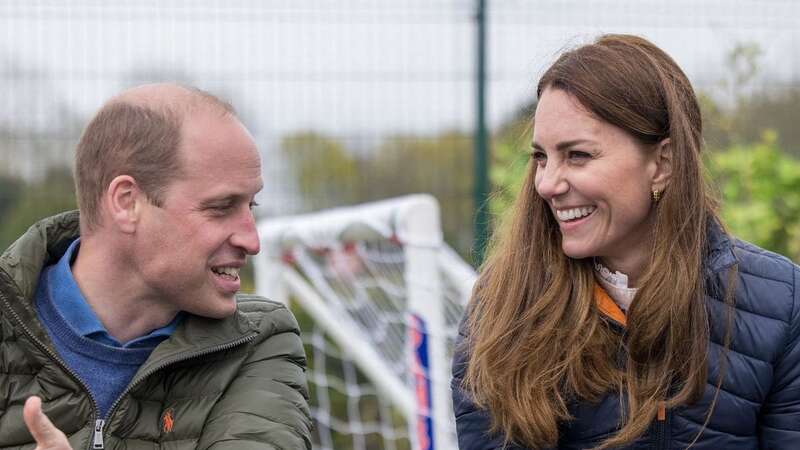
<point>608,306</point>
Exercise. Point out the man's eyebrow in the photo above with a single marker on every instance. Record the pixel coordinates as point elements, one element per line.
<point>223,199</point>
<point>561,146</point>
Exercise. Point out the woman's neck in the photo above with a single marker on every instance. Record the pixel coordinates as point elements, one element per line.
<point>630,265</point>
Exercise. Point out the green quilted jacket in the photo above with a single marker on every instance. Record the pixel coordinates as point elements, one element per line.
<point>236,383</point>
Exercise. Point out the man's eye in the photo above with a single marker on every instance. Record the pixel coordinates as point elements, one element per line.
<point>253,204</point>
<point>221,209</point>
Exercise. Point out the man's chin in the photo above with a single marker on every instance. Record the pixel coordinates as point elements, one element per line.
<point>222,308</point>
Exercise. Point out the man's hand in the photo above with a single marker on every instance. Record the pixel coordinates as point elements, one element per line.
<point>47,436</point>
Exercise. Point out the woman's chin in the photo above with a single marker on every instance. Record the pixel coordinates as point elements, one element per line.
<point>577,251</point>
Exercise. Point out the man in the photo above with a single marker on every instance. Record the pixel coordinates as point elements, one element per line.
<point>119,326</point>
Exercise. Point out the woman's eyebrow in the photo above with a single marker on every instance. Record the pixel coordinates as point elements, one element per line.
<point>564,145</point>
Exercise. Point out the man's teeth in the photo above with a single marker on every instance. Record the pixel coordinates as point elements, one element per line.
<point>574,213</point>
<point>230,271</point>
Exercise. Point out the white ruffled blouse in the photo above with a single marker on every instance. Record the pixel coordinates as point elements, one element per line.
<point>616,284</point>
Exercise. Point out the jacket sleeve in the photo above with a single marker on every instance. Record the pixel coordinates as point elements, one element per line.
<point>472,422</point>
<point>779,426</point>
<point>265,407</point>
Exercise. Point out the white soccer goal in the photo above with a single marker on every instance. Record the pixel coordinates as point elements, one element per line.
<point>379,296</point>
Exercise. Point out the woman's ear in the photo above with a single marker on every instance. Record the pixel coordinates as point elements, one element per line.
<point>663,161</point>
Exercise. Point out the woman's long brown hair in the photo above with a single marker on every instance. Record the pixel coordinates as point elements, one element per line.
<point>537,340</point>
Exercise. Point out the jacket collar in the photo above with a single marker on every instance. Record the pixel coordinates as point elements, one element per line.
<point>607,306</point>
<point>22,262</point>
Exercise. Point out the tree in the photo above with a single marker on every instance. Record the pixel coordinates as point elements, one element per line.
<point>10,190</point>
<point>752,110</point>
<point>440,165</point>
<point>329,174</point>
<point>760,186</point>
<point>326,173</point>
<point>510,157</point>
<point>53,194</point>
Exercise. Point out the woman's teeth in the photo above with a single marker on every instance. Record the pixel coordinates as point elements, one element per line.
<point>565,215</point>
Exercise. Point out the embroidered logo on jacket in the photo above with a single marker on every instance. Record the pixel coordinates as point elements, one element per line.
<point>167,420</point>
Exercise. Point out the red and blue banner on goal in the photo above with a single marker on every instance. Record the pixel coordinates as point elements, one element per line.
<point>421,370</point>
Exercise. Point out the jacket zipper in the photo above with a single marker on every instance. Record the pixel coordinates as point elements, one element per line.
<point>98,434</point>
<point>180,358</point>
<point>63,365</point>
<point>660,427</point>
<point>99,424</point>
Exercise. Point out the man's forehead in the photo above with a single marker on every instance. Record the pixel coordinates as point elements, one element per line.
<point>219,159</point>
<point>155,95</point>
<point>173,98</point>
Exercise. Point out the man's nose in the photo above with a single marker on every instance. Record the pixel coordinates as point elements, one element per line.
<point>245,236</point>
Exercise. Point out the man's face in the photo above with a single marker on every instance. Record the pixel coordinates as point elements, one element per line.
<point>188,252</point>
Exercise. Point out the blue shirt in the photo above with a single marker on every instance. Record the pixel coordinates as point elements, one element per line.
<point>105,365</point>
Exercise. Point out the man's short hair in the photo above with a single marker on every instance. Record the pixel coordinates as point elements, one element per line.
<point>134,138</point>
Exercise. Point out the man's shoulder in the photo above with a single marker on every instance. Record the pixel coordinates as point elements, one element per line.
<point>267,315</point>
<point>257,303</point>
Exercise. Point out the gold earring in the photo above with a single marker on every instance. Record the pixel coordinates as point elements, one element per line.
<point>656,195</point>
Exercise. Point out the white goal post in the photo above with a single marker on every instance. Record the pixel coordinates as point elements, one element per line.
<point>384,288</point>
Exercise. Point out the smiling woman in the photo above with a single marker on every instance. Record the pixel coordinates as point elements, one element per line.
<point>597,180</point>
<point>614,311</point>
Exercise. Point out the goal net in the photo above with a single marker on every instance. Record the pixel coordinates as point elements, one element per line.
<point>379,296</point>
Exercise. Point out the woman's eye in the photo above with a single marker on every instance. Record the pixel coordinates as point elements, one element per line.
<point>539,157</point>
<point>577,154</point>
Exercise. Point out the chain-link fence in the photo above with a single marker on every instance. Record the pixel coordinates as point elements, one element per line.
<point>354,100</point>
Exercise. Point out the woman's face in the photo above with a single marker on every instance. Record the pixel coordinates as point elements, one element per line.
<point>597,180</point>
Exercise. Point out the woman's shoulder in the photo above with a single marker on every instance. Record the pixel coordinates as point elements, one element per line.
<point>767,284</point>
<point>756,262</point>
<point>766,303</point>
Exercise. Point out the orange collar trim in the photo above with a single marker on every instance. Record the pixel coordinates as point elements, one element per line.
<point>608,306</point>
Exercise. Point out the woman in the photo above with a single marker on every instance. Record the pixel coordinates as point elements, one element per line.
<point>614,311</point>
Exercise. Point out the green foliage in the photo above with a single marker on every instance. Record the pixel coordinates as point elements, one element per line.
<point>327,174</point>
<point>53,194</point>
<point>510,158</point>
<point>752,111</point>
<point>10,190</point>
<point>753,115</point>
<point>330,174</point>
<point>440,165</point>
<point>760,186</point>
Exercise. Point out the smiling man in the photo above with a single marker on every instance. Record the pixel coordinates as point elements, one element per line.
<point>120,326</point>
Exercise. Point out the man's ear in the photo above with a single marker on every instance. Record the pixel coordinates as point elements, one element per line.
<point>123,200</point>
<point>663,161</point>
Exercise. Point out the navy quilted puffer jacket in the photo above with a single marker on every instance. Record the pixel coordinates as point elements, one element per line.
<point>759,404</point>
